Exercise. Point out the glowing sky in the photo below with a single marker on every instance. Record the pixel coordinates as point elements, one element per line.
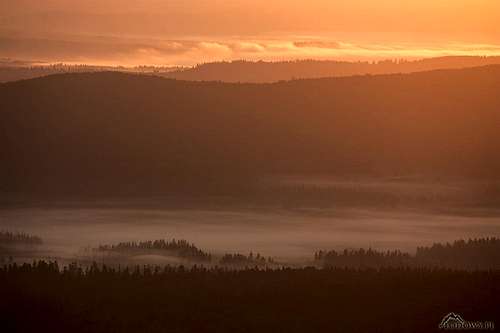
<point>191,31</point>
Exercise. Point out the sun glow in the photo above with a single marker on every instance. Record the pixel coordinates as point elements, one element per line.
<point>193,31</point>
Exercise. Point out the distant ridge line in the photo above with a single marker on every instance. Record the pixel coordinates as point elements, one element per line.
<point>260,71</point>
<point>196,82</point>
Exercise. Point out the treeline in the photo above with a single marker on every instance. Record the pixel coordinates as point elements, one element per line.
<point>365,192</point>
<point>14,72</point>
<point>363,258</point>
<point>253,71</point>
<point>481,253</point>
<point>186,250</point>
<point>18,238</point>
<point>262,71</point>
<point>474,254</point>
<point>180,248</point>
<point>250,260</point>
<point>13,244</point>
<point>44,297</point>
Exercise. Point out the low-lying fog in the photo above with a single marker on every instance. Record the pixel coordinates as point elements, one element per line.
<point>283,233</point>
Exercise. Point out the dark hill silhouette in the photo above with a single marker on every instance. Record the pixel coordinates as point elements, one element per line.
<point>115,132</point>
<point>261,71</point>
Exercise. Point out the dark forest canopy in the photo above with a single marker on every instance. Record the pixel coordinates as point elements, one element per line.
<point>42,297</point>
<point>121,133</point>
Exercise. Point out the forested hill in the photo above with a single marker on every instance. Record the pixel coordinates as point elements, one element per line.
<point>254,72</point>
<point>262,71</point>
<point>117,132</point>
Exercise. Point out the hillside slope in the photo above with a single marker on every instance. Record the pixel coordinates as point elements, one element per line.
<point>116,132</point>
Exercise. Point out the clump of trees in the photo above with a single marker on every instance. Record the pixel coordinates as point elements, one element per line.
<point>363,258</point>
<point>18,238</point>
<point>481,253</point>
<point>241,260</point>
<point>474,254</point>
<point>180,248</point>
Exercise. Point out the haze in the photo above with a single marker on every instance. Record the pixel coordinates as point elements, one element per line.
<point>196,31</point>
<point>249,165</point>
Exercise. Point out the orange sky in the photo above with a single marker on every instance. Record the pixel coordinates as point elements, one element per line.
<point>192,31</point>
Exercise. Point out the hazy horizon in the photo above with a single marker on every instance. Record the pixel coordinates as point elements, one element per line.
<point>172,33</point>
